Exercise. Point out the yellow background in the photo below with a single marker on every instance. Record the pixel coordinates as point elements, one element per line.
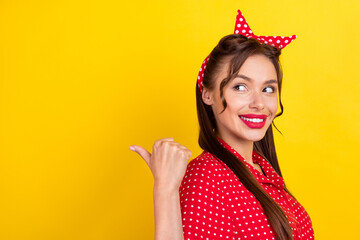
<point>81,81</point>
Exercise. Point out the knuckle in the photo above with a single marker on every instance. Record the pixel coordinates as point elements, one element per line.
<point>166,143</point>
<point>185,152</point>
<point>160,141</point>
<point>157,142</point>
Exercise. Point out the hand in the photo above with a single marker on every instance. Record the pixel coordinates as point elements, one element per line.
<point>167,162</point>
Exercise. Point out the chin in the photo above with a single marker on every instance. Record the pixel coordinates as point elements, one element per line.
<point>256,137</point>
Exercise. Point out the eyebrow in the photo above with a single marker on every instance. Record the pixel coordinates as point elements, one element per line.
<point>249,79</point>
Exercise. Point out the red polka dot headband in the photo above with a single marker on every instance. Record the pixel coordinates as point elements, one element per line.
<point>242,27</point>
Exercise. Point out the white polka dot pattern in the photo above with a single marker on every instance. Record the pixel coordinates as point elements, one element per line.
<point>216,205</point>
<point>242,27</point>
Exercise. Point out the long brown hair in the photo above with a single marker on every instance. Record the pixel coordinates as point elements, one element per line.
<point>238,48</point>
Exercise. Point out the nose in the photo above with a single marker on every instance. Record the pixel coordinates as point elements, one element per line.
<point>257,101</point>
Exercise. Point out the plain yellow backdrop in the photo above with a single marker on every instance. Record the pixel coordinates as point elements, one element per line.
<point>81,81</point>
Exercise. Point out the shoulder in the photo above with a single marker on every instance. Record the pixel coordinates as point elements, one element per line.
<point>206,170</point>
<point>207,164</point>
<point>205,160</point>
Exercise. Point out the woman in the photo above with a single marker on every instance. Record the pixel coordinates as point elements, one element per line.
<point>234,189</point>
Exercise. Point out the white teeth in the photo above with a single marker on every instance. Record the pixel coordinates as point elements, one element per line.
<point>252,119</point>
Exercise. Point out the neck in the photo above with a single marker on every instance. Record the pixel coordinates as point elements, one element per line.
<point>244,148</point>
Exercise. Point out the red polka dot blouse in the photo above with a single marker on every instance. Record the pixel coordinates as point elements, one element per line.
<point>216,205</point>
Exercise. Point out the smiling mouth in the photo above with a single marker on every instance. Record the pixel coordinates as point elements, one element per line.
<point>255,120</point>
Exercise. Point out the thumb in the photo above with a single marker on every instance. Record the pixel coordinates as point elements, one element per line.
<point>142,152</point>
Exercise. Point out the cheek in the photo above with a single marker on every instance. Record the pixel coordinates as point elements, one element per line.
<point>273,106</point>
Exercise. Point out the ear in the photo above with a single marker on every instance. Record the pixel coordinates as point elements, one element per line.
<point>207,97</point>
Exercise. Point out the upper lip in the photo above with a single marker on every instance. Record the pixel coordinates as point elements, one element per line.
<point>262,116</point>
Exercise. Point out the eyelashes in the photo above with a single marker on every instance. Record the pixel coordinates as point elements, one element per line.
<point>271,88</point>
<point>240,87</point>
<point>243,88</point>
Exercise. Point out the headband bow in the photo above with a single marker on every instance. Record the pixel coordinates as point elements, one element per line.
<point>242,27</point>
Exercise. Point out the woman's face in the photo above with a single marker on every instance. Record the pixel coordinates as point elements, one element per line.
<point>251,98</point>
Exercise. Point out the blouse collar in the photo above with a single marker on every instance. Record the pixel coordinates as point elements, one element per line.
<point>271,176</point>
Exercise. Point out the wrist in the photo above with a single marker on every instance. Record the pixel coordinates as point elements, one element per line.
<point>165,188</point>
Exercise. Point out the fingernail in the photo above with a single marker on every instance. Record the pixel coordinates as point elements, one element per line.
<point>132,148</point>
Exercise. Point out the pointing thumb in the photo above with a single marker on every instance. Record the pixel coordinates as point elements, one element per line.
<point>142,152</point>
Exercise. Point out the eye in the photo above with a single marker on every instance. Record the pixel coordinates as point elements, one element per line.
<point>269,89</point>
<point>240,87</point>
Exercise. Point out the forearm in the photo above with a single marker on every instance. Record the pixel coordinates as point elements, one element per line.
<point>168,223</point>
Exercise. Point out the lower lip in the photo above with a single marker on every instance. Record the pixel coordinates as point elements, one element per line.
<point>254,124</point>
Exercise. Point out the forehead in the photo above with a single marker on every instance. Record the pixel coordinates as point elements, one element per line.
<point>259,65</point>
<point>256,67</point>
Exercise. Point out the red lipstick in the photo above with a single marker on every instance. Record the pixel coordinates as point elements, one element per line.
<point>253,120</point>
